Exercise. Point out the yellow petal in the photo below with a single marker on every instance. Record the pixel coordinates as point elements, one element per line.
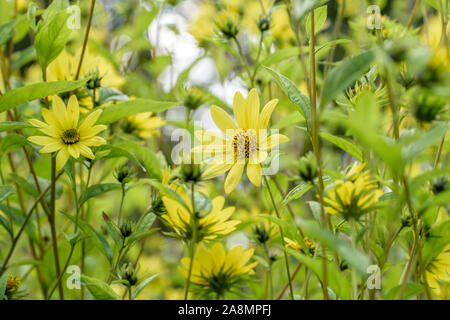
<point>52,147</point>
<point>73,150</point>
<point>41,140</point>
<point>239,110</point>
<point>254,174</point>
<point>273,141</point>
<point>61,158</point>
<point>215,170</point>
<point>85,151</point>
<point>60,112</point>
<point>252,109</point>
<point>222,120</point>
<point>89,122</point>
<point>266,113</point>
<point>233,177</point>
<point>73,111</point>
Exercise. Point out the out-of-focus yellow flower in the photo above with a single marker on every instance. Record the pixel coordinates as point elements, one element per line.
<point>296,246</point>
<point>437,272</point>
<point>354,196</point>
<point>13,283</point>
<point>144,125</point>
<point>213,224</point>
<point>243,144</point>
<point>217,271</point>
<point>440,56</point>
<point>63,135</point>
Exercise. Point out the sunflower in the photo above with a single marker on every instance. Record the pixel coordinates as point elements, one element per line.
<point>144,125</point>
<point>217,271</point>
<point>354,196</point>
<point>213,224</point>
<point>243,144</point>
<point>63,135</point>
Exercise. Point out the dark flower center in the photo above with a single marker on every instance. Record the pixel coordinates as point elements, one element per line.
<point>70,136</point>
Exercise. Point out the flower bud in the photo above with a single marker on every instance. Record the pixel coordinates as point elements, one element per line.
<point>439,185</point>
<point>264,24</point>
<point>307,167</point>
<point>126,229</point>
<point>128,274</point>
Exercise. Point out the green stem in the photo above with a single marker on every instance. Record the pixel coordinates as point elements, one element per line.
<point>119,220</point>
<point>52,219</point>
<point>244,60</point>
<point>58,281</point>
<point>22,228</point>
<point>193,243</point>
<point>86,37</point>
<point>291,291</point>
<point>269,292</point>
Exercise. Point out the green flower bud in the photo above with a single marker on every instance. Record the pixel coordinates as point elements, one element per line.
<point>264,24</point>
<point>439,185</point>
<point>307,167</point>
<point>427,108</point>
<point>123,174</point>
<point>128,274</point>
<point>126,229</point>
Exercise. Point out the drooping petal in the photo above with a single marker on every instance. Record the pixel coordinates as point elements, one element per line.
<point>222,120</point>
<point>85,151</point>
<point>73,111</point>
<point>215,170</point>
<point>73,150</point>
<point>61,158</point>
<point>254,174</point>
<point>233,177</point>
<point>266,113</point>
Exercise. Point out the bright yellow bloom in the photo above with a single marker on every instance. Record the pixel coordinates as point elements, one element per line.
<point>354,196</point>
<point>216,270</point>
<point>144,125</point>
<point>438,271</point>
<point>12,283</point>
<point>215,223</point>
<point>296,246</point>
<point>63,135</point>
<point>243,144</point>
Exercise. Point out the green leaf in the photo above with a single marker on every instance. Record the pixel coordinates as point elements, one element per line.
<point>6,31</point>
<point>294,94</point>
<point>22,57</point>
<point>12,142</point>
<point>99,289</point>
<point>6,191</point>
<point>109,151</point>
<point>113,113</point>
<point>320,16</point>
<point>344,144</point>
<point>432,136</point>
<point>142,285</point>
<point>31,15</point>
<point>166,191</point>
<point>146,156</point>
<point>98,189</point>
<point>51,39</point>
<point>297,192</point>
<point>337,282</point>
<point>280,55</point>
<point>331,43</point>
<point>302,8</point>
<point>13,125</point>
<point>98,238</point>
<point>345,74</point>
<point>3,281</point>
<point>411,290</point>
<point>19,96</point>
<point>355,258</point>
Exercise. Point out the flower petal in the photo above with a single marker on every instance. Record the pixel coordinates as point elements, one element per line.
<point>73,111</point>
<point>239,110</point>
<point>254,174</point>
<point>266,113</point>
<point>252,109</point>
<point>89,122</point>
<point>60,113</point>
<point>61,158</point>
<point>233,177</point>
<point>222,120</point>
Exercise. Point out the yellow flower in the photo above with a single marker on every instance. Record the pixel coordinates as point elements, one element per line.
<point>12,283</point>
<point>296,246</point>
<point>438,271</point>
<point>144,125</point>
<point>244,144</point>
<point>355,196</point>
<point>215,223</point>
<point>216,270</point>
<point>63,133</point>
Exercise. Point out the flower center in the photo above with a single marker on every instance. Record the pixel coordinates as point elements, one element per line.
<point>70,136</point>
<point>244,144</point>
